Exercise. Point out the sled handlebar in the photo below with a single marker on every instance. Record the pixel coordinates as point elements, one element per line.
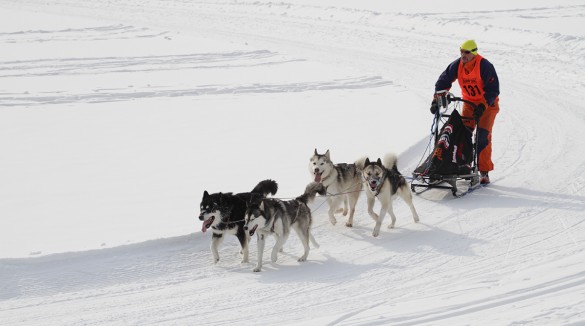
<point>444,98</point>
<point>452,98</point>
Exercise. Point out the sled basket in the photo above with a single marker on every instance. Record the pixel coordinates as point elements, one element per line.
<point>454,155</point>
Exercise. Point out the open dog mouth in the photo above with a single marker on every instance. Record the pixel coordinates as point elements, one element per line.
<point>207,224</point>
<point>253,230</point>
<point>373,184</point>
<point>318,176</point>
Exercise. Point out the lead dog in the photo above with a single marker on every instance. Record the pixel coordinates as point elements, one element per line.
<point>343,181</point>
<point>385,183</point>
<point>224,213</point>
<point>275,217</point>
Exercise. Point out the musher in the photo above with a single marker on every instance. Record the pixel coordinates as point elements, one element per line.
<point>479,84</point>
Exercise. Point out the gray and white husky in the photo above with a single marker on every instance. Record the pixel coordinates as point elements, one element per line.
<point>385,182</point>
<point>342,181</point>
<point>271,216</point>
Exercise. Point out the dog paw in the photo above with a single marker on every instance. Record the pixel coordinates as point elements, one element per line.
<point>349,225</point>
<point>390,226</point>
<point>273,259</point>
<point>302,259</point>
<point>257,269</point>
<point>376,231</point>
<point>333,221</point>
<point>244,261</point>
<point>215,261</point>
<point>345,211</point>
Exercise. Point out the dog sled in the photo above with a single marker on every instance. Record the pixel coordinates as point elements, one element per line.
<point>452,164</point>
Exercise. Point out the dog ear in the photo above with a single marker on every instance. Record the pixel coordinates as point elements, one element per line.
<point>316,152</point>
<point>327,155</point>
<point>205,194</point>
<point>379,161</point>
<point>367,162</point>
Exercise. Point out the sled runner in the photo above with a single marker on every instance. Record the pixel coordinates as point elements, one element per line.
<point>453,161</point>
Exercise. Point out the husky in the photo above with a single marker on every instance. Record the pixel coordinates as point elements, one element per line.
<point>385,183</point>
<point>343,181</point>
<point>224,213</point>
<point>275,217</point>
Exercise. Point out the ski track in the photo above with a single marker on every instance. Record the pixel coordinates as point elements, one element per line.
<point>126,94</point>
<point>464,244</point>
<point>103,65</point>
<point>99,33</point>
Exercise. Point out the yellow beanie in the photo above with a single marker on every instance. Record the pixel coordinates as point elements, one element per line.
<point>469,45</point>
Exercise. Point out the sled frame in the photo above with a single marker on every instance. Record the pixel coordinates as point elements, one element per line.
<point>422,182</point>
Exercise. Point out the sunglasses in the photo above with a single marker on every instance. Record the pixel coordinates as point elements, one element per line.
<point>467,52</point>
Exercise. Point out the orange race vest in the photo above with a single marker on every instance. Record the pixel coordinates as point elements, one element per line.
<point>471,83</point>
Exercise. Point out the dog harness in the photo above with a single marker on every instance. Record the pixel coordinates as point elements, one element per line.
<point>292,221</point>
<point>217,227</point>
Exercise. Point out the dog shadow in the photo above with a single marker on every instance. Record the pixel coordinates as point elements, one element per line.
<point>416,238</point>
<point>323,266</point>
<point>324,269</point>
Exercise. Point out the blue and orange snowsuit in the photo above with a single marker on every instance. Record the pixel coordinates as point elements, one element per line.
<point>479,84</point>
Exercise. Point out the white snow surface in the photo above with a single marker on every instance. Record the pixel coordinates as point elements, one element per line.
<point>115,116</point>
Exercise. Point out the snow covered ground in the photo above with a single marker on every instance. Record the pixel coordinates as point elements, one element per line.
<point>116,116</point>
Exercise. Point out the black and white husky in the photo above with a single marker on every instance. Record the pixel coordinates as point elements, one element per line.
<point>342,181</point>
<point>224,213</point>
<point>385,182</point>
<point>275,217</point>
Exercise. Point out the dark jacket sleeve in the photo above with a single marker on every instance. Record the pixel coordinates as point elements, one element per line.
<point>448,76</point>
<point>491,83</point>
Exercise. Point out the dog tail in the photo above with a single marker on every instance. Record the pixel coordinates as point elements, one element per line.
<point>390,161</point>
<point>360,163</point>
<point>311,192</point>
<point>266,187</point>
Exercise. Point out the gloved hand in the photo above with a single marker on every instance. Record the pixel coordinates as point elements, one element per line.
<point>434,106</point>
<point>478,111</point>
